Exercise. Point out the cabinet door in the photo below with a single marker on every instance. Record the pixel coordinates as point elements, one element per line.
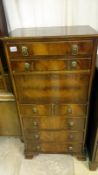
<point>52,88</point>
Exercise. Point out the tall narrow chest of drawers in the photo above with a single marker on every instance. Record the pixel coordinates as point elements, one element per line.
<point>52,71</point>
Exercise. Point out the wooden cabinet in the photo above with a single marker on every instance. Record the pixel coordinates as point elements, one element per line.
<point>52,75</point>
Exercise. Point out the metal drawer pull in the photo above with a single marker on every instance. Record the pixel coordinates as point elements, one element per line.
<point>71,123</point>
<point>38,147</point>
<point>73,64</point>
<point>27,66</point>
<point>74,49</point>
<point>70,148</point>
<point>71,137</point>
<point>69,110</point>
<point>24,50</point>
<point>36,136</point>
<point>35,123</point>
<point>34,110</point>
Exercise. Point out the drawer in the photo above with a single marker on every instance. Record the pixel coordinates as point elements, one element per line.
<point>50,65</point>
<point>25,49</point>
<point>52,88</point>
<point>53,147</point>
<point>52,123</point>
<point>35,110</point>
<point>54,136</point>
<point>70,110</point>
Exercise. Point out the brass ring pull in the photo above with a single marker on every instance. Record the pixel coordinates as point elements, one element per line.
<point>34,110</point>
<point>74,49</point>
<point>71,137</point>
<point>73,64</point>
<point>71,123</point>
<point>69,110</point>
<point>35,123</point>
<point>27,66</point>
<point>70,148</point>
<point>36,136</point>
<point>24,50</point>
<point>38,147</point>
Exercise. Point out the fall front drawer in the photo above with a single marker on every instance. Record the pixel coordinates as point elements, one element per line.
<point>50,65</point>
<point>83,47</point>
<point>52,123</point>
<point>54,136</point>
<point>52,88</point>
<point>53,147</point>
<point>74,110</point>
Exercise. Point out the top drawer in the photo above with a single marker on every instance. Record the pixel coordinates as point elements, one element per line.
<point>67,48</point>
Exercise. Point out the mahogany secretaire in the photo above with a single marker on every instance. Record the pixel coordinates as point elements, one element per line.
<point>52,71</point>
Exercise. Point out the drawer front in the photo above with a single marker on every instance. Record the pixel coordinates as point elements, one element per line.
<point>54,148</point>
<point>52,88</point>
<point>74,110</point>
<point>71,110</point>
<point>52,123</point>
<point>54,136</point>
<point>35,110</point>
<point>50,65</point>
<point>83,47</point>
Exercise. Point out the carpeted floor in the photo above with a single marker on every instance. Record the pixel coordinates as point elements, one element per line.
<point>12,161</point>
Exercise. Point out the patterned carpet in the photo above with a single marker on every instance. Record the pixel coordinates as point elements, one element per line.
<point>12,161</point>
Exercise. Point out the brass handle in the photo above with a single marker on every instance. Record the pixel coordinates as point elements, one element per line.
<point>36,136</point>
<point>74,49</point>
<point>34,110</point>
<point>24,50</point>
<point>38,147</point>
<point>73,64</point>
<point>69,110</point>
<point>71,137</point>
<point>70,148</point>
<point>71,123</point>
<point>35,123</point>
<point>27,66</point>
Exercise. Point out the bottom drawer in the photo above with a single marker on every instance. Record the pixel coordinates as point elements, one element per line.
<point>53,147</point>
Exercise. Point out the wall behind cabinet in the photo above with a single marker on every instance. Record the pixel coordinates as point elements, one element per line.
<point>37,13</point>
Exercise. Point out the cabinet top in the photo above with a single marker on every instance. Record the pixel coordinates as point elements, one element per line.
<point>67,31</point>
